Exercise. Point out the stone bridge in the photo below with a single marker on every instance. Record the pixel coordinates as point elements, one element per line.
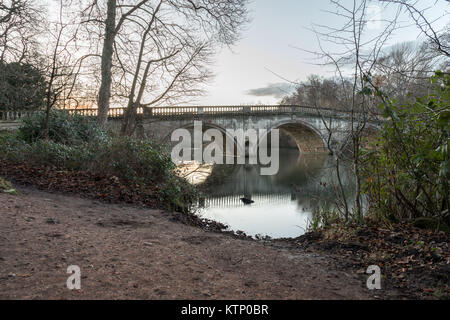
<point>306,125</point>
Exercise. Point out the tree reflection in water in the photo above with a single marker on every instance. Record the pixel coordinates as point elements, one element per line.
<point>283,203</point>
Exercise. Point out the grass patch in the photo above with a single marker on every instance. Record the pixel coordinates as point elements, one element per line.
<point>7,187</point>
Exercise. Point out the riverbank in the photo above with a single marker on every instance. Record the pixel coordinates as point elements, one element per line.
<point>414,263</point>
<point>105,188</point>
<point>133,244</point>
<point>128,252</point>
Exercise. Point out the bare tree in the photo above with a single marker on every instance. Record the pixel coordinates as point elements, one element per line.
<point>169,64</point>
<point>353,63</point>
<point>19,27</point>
<point>216,22</point>
<point>61,64</point>
<point>325,92</point>
<point>116,14</point>
<point>402,72</point>
<point>438,38</point>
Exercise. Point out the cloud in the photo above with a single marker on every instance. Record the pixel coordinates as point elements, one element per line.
<point>276,90</point>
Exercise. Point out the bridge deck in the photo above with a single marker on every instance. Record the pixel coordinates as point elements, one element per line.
<point>192,111</point>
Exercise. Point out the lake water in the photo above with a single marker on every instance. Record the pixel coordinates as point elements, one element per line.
<point>283,203</point>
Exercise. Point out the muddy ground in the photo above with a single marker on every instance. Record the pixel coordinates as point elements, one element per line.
<point>127,252</point>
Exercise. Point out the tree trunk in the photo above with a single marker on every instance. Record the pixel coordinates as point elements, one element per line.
<point>106,73</point>
<point>356,169</point>
<point>129,121</point>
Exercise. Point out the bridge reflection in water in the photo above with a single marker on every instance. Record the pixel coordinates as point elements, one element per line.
<point>234,201</point>
<point>283,203</point>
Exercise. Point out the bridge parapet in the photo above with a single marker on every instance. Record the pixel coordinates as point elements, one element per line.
<point>14,115</point>
<point>217,110</point>
<point>196,111</point>
<point>239,110</point>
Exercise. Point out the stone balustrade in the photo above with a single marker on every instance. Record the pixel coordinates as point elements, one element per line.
<point>167,112</point>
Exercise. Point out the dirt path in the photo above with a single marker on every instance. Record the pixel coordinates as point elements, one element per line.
<point>126,252</point>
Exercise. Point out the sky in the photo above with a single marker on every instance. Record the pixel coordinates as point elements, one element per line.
<point>259,68</point>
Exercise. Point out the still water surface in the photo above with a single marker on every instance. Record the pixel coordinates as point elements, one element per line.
<point>283,203</point>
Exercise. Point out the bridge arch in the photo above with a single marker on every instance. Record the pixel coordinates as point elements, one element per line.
<point>308,138</point>
<point>189,125</point>
<point>205,126</point>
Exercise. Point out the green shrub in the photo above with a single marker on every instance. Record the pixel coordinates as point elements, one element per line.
<point>5,185</point>
<point>50,153</point>
<point>140,164</point>
<point>64,128</point>
<point>12,148</point>
<point>408,169</point>
<point>143,164</point>
<point>133,160</point>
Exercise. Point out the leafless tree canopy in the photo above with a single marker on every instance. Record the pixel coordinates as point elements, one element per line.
<point>320,92</point>
<point>368,69</point>
<point>158,51</point>
<point>439,39</point>
<point>131,53</point>
<point>401,71</point>
<point>19,26</point>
